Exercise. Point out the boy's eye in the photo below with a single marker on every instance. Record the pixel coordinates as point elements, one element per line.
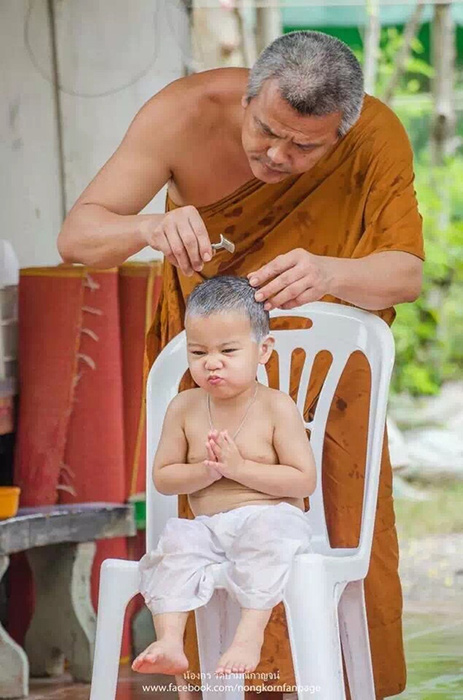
<point>200,352</point>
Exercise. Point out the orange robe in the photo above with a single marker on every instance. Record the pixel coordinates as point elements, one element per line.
<point>357,200</point>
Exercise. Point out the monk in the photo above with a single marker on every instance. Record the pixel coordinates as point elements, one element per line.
<point>312,181</point>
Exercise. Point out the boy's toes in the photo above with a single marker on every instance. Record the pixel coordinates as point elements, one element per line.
<point>137,662</point>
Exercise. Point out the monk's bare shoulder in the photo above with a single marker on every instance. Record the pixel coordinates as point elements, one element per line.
<point>191,104</point>
<point>216,86</point>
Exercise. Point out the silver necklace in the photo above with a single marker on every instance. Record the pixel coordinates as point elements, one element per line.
<point>244,417</point>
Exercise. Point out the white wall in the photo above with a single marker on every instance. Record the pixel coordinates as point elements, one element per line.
<point>113,55</point>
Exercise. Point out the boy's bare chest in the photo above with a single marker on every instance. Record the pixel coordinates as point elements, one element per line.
<point>254,440</point>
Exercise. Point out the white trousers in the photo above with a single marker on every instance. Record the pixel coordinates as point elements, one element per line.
<point>259,542</point>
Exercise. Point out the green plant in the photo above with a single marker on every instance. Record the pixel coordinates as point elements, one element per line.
<point>429,333</point>
<point>417,71</point>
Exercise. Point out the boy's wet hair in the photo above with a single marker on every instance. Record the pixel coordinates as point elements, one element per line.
<point>227,293</point>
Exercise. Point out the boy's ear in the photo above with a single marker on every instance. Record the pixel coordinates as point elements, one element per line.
<point>266,349</point>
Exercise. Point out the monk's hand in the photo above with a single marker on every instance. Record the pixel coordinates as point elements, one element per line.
<point>296,278</point>
<point>229,460</point>
<point>181,236</point>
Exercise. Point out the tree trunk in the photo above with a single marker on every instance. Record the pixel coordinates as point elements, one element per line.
<point>443,50</point>
<point>410,31</point>
<point>443,130</point>
<point>248,38</point>
<point>268,24</point>
<point>371,46</point>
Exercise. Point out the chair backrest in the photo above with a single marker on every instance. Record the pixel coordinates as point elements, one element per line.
<point>340,330</point>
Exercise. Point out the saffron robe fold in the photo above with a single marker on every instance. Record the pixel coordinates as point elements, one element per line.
<point>357,200</point>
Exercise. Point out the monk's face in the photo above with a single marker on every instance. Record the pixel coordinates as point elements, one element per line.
<point>222,354</point>
<point>279,141</point>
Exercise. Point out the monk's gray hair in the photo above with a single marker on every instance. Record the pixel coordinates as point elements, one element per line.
<point>317,75</point>
<point>227,293</point>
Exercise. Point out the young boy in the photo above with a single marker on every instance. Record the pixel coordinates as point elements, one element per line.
<point>240,451</point>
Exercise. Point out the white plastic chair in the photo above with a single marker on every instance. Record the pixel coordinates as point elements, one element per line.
<point>324,597</point>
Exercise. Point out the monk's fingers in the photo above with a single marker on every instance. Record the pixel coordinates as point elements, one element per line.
<point>291,291</point>
<point>177,247</point>
<point>280,285</point>
<point>163,246</point>
<point>200,231</point>
<point>306,297</point>
<point>191,244</point>
<point>275,267</point>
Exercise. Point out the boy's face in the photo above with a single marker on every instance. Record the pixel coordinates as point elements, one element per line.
<point>222,353</point>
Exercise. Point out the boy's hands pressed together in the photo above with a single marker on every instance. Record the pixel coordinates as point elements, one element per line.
<point>223,455</point>
<point>211,463</point>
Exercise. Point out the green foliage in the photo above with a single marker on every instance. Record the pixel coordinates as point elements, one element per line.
<point>429,333</point>
<point>417,73</point>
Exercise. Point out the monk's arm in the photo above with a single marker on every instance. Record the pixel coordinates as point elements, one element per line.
<point>295,475</point>
<point>373,282</point>
<point>104,228</point>
<point>376,281</point>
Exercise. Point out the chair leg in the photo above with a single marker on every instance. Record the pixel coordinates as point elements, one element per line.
<point>311,614</point>
<point>216,624</point>
<point>355,641</point>
<point>119,581</point>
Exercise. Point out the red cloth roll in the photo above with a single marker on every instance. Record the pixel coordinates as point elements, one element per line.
<point>139,291</point>
<point>50,314</point>
<point>94,456</point>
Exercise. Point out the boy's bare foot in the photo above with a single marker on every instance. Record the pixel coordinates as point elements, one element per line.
<point>241,657</point>
<point>161,657</point>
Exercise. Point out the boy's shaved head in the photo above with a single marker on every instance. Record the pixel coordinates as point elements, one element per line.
<point>227,293</point>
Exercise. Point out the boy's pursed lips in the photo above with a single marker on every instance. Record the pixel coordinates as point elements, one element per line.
<point>214,379</point>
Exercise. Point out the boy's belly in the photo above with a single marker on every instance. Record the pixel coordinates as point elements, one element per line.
<point>226,494</point>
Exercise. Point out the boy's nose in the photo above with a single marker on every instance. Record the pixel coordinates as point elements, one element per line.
<point>213,363</point>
